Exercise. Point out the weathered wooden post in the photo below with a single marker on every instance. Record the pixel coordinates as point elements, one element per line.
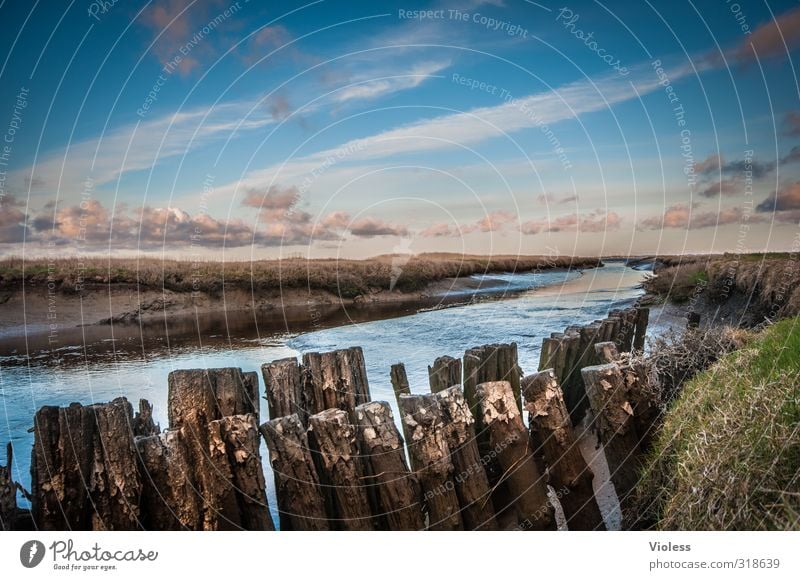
<point>196,398</point>
<point>84,468</point>
<point>397,490</point>
<point>509,441</point>
<point>341,469</point>
<point>169,501</point>
<point>423,423</point>
<point>570,475</point>
<point>61,467</point>
<point>606,352</point>
<point>613,414</point>
<point>234,446</point>
<point>115,485</point>
<point>8,493</point>
<point>445,372</point>
<point>640,332</point>
<point>399,381</point>
<point>335,380</point>
<point>300,501</point>
<point>471,483</point>
<point>283,388</point>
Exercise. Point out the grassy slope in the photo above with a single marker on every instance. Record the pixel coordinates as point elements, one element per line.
<point>345,278</point>
<point>728,455</point>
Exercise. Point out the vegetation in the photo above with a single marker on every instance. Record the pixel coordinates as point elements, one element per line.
<point>767,282</point>
<point>345,278</point>
<point>728,454</point>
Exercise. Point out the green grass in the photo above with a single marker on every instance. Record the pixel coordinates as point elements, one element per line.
<point>728,454</point>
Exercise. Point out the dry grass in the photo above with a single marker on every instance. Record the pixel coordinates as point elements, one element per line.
<point>728,454</point>
<point>677,357</point>
<point>770,282</point>
<point>345,278</point>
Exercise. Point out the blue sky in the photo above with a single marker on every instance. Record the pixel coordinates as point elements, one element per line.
<point>332,128</point>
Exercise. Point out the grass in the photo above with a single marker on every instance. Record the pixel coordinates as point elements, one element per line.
<point>345,278</point>
<point>768,281</point>
<point>728,454</point>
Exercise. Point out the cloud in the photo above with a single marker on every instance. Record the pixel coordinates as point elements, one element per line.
<point>273,198</point>
<point>773,39</point>
<point>723,187</point>
<point>141,146</point>
<point>369,227</point>
<point>728,178</point>
<point>786,198</point>
<point>13,221</point>
<point>491,222</point>
<point>279,107</point>
<point>494,221</point>
<point>474,126</point>
<point>549,198</point>
<point>708,165</point>
<point>93,226</point>
<point>792,157</point>
<point>593,222</point>
<point>685,216</point>
<point>370,87</point>
<point>792,124</point>
<point>441,230</point>
<point>181,24</point>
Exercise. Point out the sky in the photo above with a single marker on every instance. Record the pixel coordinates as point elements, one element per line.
<point>247,130</point>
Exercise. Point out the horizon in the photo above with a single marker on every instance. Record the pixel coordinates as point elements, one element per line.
<point>233,130</point>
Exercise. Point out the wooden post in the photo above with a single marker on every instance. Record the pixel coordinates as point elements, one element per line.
<point>8,493</point>
<point>423,422</point>
<point>300,501</point>
<point>445,372</point>
<point>341,470</point>
<point>283,387</point>
<point>570,475</point>
<point>572,387</point>
<point>491,362</point>
<point>335,380</point>
<point>399,381</point>
<point>61,467</point>
<point>509,440</point>
<point>143,424</point>
<point>115,486</point>
<point>606,352</point>
<point>168,500</point>
<point>614,420</point>
<point>397,490</point>
<point>471,483</point>
<point>234,443</point>
<point>642,320</point>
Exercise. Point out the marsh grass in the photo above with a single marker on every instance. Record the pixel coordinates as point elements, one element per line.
<point>345,278</point>
<point>728,454</point>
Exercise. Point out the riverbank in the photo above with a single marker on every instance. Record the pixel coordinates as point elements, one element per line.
<point>745,411</point>
<point>68,293</point>
<point>740,290</point>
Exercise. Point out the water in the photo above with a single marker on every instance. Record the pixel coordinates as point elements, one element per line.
<point>135,365</point>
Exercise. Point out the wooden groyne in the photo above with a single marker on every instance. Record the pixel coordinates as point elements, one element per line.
<point>460,456</point>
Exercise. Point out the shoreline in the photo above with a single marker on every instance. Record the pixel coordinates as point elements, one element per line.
<point>37,314</point>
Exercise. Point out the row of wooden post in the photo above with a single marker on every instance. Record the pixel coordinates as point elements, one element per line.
<point>338,458</point>
<point>570,351</point>
<point>102,467</point>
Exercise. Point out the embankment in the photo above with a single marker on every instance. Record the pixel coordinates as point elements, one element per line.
<point>737,289</point>
<point>727,456</point>
<point>78,291</point>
